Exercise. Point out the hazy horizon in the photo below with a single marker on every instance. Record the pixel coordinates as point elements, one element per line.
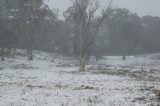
<point>141,7</point>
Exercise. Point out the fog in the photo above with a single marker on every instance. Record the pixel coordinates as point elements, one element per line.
<point>141,7</point>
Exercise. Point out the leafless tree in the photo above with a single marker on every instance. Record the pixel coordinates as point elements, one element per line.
<point>86,28</point>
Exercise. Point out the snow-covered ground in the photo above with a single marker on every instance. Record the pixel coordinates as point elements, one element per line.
<point>53,80</point>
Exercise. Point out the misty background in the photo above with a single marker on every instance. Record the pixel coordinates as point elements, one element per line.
<point>123,28</point>
<point>142,7</point>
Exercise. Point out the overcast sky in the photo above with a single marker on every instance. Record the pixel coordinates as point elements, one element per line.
<point>141,7</point>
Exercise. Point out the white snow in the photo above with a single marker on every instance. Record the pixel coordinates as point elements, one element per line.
<point>53,80</point>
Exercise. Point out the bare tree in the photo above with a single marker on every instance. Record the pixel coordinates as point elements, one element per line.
<point>83,14</point>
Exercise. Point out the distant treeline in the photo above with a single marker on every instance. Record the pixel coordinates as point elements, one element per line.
<point>31,24</point>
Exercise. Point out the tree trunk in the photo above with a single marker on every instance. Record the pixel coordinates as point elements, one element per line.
<point>82,64</point>
<point>2,54</point>
<point>123,57</point>
<point>30,47</point>
<point>82,59</point>
<point>30,56</point>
